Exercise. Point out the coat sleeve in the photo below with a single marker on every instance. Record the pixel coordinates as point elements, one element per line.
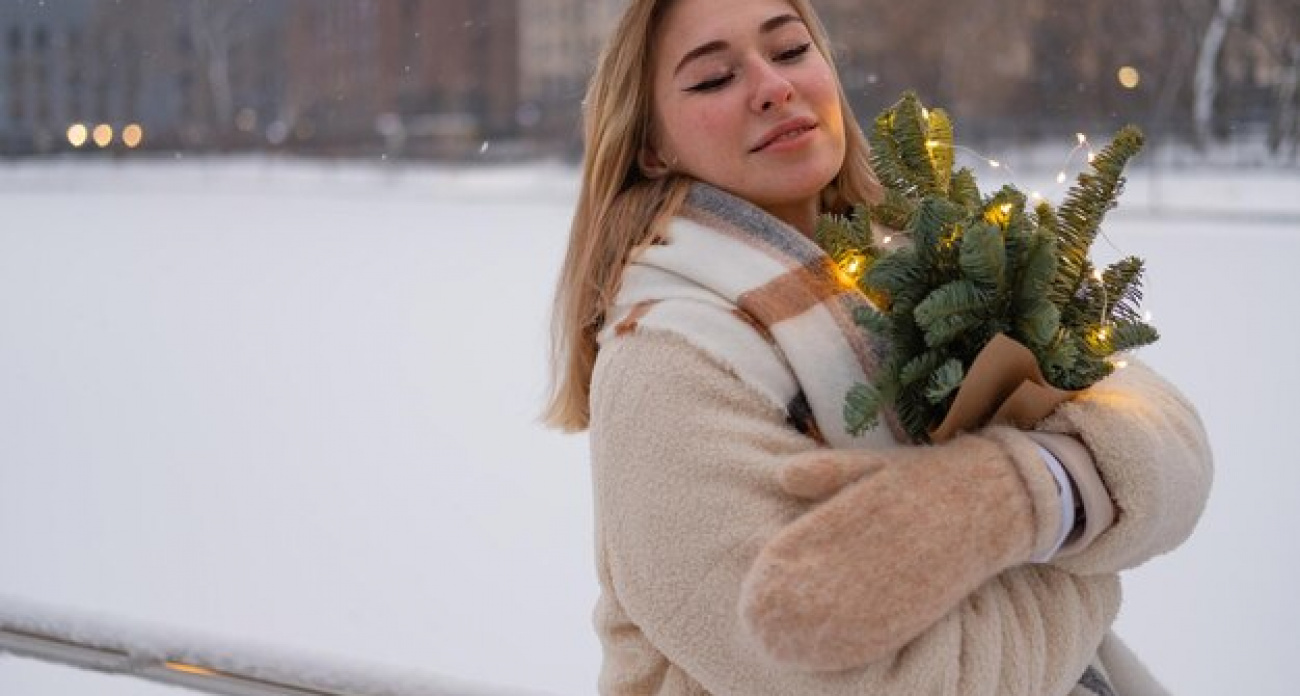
<point>1153,457</point>
<point>685,460</point>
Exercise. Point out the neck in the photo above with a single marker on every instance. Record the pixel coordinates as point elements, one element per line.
<point>801,216</point>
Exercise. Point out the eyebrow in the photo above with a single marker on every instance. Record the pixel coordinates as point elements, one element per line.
<point>767,27</point>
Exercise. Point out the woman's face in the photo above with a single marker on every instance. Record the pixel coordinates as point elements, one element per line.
<point>745,101</point>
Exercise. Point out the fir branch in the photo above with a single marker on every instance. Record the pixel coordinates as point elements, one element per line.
<point>939,147</point>
<point>984,257</point>
<point>977,267</point>
<point>933,231</point>
<point>914,414</point>
<point>895,212</point>
<point>887,160</point>
<point>964,191</point>
<point>861,408</point>
<point>951,309</point>
<point>1129,335</point>
<point>872,321</point>
<point>1037,269</point>
<point>1038,324</point>
<point>1123,283</point>
<point>896,273</point>
<point>912,134</point>
<point>944,381</point>
<point>1079,217</point>
<point>920,368</point>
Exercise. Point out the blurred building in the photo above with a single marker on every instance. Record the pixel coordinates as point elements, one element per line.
<point>334,81</point>
<point>559,43</point>
<point>1026,69</point>
<point>446,78</point>
<point>451,70</point>
<point>412,76</point>
<point>212,74</point>
<point>182,73</point>
<point>49,73</point>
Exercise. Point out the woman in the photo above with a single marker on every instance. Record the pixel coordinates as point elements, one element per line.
<point>745,543</point>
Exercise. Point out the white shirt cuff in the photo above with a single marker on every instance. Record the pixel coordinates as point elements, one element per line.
<point>1067,504</point>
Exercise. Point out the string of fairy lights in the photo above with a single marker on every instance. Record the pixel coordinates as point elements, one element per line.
<point>854,265</point>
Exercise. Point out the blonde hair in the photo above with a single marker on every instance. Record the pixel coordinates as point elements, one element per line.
<point>619,207</point>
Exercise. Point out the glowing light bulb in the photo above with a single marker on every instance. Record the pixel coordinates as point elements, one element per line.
<point>1120,364</point>
<point>1000,215</point>
<point>102,135</point>
<point>887,239</point>
<point>851,267</point>
<point>1060,178</point>
<point>1128,77</point>
<point>1092,157</point>
<point>1083,139</point>
<point>995,164</point>
<point>78,134</point>
<point>925,113</point>
<point>133,135</point>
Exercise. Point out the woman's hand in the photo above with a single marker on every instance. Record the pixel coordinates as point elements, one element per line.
<point>900,538</point>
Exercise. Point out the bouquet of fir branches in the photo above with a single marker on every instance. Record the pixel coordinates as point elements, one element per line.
<point>993,310</point>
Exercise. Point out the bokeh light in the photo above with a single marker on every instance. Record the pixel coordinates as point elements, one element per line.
<point>1129,77</point>
<point>133,135</point>
<point>77,134</point>
<point>103,135</point>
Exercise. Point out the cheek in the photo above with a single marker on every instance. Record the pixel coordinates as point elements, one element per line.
<point>704,127</point>
<point>821,87</point>
<point>825,99</point>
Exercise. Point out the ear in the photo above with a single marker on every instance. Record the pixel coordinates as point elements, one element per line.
<point>651,164</point>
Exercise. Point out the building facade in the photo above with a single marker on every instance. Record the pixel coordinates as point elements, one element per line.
<point>50,74</point>
<point>446,78</point>
<point>560,41</point>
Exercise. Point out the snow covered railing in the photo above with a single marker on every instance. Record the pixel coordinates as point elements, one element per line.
<point>206,664</point>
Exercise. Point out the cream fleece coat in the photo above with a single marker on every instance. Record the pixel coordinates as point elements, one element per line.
<point>686,459</point>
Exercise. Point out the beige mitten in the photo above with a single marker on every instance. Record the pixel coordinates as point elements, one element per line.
<point>870,568</point>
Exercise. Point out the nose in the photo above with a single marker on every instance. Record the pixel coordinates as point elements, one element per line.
<point>773,91</point>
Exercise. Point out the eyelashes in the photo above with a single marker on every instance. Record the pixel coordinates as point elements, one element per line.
<point>794,53</point>
<point>788,56</point>
<point>711,85</point>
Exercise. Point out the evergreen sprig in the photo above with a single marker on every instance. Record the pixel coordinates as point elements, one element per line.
<point>977,266</point>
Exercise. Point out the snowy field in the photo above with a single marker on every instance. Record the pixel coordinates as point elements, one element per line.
<point>294,404</point>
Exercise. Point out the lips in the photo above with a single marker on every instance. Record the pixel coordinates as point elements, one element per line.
<point>788,129</point>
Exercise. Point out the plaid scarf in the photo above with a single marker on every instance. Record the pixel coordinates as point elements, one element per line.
<point>762,299</point>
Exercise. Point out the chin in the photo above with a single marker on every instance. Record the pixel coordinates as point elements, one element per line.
<point>792,187</point>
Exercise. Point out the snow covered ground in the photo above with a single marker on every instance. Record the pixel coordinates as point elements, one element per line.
<point>294,404</point>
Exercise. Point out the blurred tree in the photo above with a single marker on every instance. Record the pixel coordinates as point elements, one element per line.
<point>1208,67</point>
<point>214,27</point>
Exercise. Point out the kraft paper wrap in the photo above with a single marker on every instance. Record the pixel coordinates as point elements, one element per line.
<point>1003,386</point>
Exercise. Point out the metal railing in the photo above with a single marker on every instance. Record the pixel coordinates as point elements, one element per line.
<point>206,664</point>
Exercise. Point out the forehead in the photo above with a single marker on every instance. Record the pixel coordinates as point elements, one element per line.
<point>691,23</point>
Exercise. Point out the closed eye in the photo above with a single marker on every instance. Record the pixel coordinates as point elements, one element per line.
<point>711,85</point>
<point>787,56</point>
<point>793,54</point>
